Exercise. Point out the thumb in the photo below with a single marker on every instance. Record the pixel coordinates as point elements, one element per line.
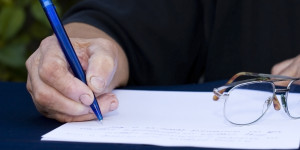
<point>101,68</point>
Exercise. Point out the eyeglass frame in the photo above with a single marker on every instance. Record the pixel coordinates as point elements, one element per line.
<point>260,77</point>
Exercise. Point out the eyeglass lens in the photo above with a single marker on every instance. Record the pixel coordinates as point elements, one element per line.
<point>248,102</point>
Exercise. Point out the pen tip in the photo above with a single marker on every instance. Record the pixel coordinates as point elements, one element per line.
<point>100,122</point>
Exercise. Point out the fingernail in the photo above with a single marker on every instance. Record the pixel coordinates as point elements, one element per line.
<point>85,99</point>
<point>98,83</point>
<point>113,106</point>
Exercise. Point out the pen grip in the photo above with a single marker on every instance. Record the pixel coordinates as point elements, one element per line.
<point>63,40</point>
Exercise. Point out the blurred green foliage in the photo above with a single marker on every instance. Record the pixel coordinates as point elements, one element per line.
<point>23,25</point>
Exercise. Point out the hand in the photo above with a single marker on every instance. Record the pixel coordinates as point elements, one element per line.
<point>289,67</point>
<point>58,94</point>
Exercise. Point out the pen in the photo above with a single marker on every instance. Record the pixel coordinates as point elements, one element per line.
<point>67,48</point>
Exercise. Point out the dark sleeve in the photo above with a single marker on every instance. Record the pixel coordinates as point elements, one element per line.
<point>252,36</point>
<point>161,38</point>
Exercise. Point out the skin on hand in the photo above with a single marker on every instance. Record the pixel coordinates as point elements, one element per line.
<point>55,91</point>
<point>289,67</point>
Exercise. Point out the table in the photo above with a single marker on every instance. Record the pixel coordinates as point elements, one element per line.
<point>21,125</point>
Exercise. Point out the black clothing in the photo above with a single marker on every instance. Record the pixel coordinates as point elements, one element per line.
<point>178,41</point>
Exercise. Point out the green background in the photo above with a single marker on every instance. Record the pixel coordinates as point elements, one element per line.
<point>23,25</point>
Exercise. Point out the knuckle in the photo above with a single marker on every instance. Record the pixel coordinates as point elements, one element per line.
<point>31,61</point>
<point>43,98</point>
<point>28,63</point>
<point>51,70</point>
<point>46,42</point>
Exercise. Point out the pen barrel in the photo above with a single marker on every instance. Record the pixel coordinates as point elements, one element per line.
<point>67,48</point>
<point>63,40</point>
<point>45,3</point>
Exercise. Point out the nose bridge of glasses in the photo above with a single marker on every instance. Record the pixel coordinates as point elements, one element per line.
<point>282,92</point>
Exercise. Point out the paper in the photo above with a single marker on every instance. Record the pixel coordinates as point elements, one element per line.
<point>189,119</point>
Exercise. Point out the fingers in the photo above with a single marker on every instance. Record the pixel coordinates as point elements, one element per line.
<point>57,93</point>
<point>48,99</point>
<point>289,67</point>
<point>108,102</point>
<point>68,111</point>
<point>280,67</point>
<point>102,66</point>
<point>53,70</point>
<point>46,95</point>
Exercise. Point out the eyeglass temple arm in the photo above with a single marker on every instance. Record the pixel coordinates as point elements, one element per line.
<point>219,91</point>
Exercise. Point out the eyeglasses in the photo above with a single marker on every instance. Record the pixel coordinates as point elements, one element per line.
<point>247,100</point>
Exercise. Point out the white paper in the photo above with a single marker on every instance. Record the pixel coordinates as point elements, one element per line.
<point>190,119</point>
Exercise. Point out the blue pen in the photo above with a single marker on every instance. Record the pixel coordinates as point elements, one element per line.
<point>67,48</point>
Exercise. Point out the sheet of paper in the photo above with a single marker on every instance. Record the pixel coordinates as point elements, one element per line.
<point>190,119</point>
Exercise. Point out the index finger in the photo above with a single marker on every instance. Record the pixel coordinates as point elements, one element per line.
<point>54,71</point>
